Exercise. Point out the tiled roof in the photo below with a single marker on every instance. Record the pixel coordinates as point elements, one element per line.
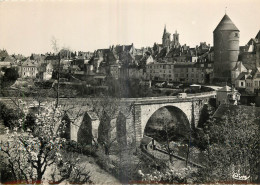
<point>121,48</point>
<point>8,59</point>
<point>226,24</point>
<point>37,57</point>
<point>30,63</point>
<point>242,76</point>
<point>243,48</point>
<point>52,57</point>
<point>250,77</point>
<point>249,66</point>
<point>138,57</point>
<point>112,58</point>
<point>103,51</point>
<point>162,53</point>
<point>239,66</point>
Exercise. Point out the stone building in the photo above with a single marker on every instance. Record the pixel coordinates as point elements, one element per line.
<point>226,49</point>
<point>189,73</point>
<point>160,71</point>
<point>240,82</point>
<point>253,81</point>
<point>239,68</point>
<point>45,71</point>
<point>227,95</point>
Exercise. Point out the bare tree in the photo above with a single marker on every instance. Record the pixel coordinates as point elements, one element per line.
<point>167,137</point>
<point>56,49</point>
<point>106,109</point>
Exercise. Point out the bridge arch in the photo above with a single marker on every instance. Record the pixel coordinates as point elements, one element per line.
<point>147,110</point>
<point>171,117</point>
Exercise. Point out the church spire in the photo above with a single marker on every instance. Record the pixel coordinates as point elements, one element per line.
<point>164,31</point>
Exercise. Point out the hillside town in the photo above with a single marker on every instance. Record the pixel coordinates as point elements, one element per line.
<point>170,62</point>
<point>165,113</point>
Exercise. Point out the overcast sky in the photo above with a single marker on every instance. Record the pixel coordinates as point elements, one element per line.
<point>28,26</point>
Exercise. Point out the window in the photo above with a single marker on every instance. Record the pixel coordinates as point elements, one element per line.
<point>187,75</point>
<point>256,84</point>
<point>242,84</point>
<point>236,35</point>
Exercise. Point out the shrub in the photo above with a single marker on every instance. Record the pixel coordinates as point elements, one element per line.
<point>73,146</point>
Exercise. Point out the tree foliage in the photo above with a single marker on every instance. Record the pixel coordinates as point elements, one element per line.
<point>28,153</point>
<point>11,74</point>
<point>233,147</point>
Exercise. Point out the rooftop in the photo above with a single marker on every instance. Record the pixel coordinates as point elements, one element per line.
<point>226,24</point>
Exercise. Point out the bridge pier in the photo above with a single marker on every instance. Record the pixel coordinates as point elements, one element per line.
<point>137,125</point>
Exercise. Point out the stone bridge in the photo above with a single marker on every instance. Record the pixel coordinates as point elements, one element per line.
<point>132,116</point>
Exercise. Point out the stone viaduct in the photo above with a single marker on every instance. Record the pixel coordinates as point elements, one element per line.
<point>132,115</point>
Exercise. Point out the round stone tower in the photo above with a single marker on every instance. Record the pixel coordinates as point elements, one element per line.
<point>226,49</point>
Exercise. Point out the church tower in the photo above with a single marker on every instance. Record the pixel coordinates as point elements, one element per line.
<point>166,39</point>
<point>226,49</point>
<point>175,39</point>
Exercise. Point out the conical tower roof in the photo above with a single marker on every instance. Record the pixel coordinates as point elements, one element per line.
<point>226,24</point>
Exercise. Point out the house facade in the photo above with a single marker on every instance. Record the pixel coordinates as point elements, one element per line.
<point>227,95</point>
<point>28,69</point>
<point>45,71</point>
<point>253,81</point>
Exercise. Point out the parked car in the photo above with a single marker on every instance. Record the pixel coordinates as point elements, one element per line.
<point>182,95</point>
